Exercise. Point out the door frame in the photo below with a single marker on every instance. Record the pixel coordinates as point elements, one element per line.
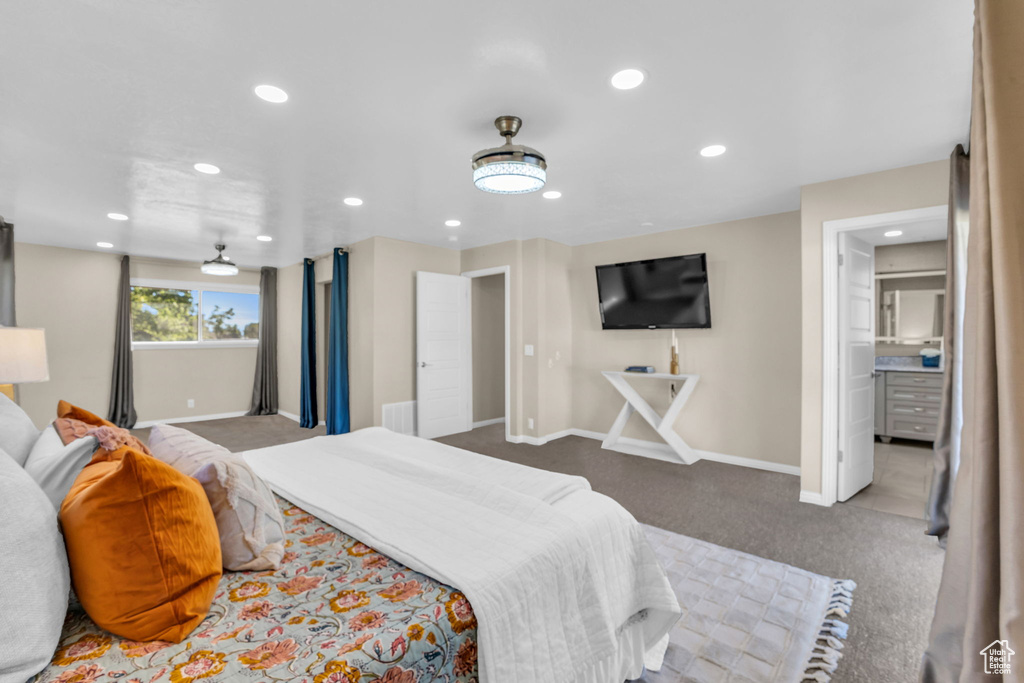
<point>484,272</point>
<point>830,330</point>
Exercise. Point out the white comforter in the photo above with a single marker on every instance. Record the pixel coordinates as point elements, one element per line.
<point>562,580</point>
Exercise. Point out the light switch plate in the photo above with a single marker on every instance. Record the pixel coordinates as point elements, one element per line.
<point>528,350</point>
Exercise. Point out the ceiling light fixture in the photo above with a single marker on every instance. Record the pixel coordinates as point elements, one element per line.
<point>353,201</point>
<point>104,245</point>
<point>894,233</point>
<point>219,265</point>
<point>271,93</point>
<point>264,238</point>
<point>509,169</point>
<point>713,151</point>
<point>208,169</point>
<point>453,223</point>
<point>117,217</point>
<point>627,79</point>
<point>552,194</point>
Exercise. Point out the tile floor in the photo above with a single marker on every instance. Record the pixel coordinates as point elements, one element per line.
<point>903,478</point>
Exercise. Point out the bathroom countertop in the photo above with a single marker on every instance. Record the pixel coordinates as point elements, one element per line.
<point>902,364</point>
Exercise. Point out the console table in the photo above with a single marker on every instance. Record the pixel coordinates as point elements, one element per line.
<point>662,424</point>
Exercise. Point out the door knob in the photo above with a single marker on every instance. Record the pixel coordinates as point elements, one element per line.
<point>423,365</point>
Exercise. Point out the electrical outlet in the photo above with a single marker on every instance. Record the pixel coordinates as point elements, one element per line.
<point>191,403</point>
<point>528,350</point>
<point>529,423</point>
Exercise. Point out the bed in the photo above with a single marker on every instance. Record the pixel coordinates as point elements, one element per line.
<point>555,581</point>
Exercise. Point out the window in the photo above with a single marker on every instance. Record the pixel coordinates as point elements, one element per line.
<point>192,314</point>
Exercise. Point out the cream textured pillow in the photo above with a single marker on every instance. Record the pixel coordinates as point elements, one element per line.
<point>17,433</point>
<point>248,520</point>
<point>36,579</point>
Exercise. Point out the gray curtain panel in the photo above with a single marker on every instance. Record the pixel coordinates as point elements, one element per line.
<point>6,274</point>
<point>122,391</point>
<point>264,386</point>
<point>979,610</point>
<point>947,441</point>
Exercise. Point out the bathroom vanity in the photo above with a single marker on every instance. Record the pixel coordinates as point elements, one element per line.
<point>907,398</point>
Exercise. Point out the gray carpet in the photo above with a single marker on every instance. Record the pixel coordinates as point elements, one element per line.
<point>896,567</point>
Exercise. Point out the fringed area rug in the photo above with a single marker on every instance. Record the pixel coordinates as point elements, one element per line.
<point>746,618</point>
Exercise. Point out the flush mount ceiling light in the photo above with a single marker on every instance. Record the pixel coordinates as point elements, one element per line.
<point>713,151</point>
<point>264,238</point>
<point>271,93</point>
<point>104,245</point>
<point>117,217</point>
<point>208,169</point>
<point>453,223</point>
<point>509,169</point>
<point>627,79</point>
<point>894,233</point>
<point>220,265</point>
<point>353,201</point>
<point>552,194</point>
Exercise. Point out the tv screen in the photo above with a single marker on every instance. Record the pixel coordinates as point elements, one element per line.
<point>659,293</point>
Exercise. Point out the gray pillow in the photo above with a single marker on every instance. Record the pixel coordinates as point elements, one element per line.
<point>55,466</point>
<point>17,432</point>
<point>36,579</point>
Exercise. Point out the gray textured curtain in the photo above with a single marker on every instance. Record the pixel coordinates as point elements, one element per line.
<point>947,440</point>
<point>980,609</point>
<point>264,385</point>
<point>122,391</point>
<point>6,274</point>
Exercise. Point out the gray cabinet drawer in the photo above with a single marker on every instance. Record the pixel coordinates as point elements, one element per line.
<point>914,379</point>
<point>923,394</point>
<point>913,408</point>
<point>912,428</point>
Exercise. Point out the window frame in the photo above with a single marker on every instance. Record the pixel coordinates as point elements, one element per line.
<point>199,286</point>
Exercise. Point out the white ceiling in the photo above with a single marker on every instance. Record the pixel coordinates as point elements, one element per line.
<point>105,105</point>
<point>926,230</point>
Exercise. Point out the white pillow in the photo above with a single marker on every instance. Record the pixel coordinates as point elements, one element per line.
<point>36,578</point>
<point>17,432</point>
<point>55,466</point>
<point>249,521</point>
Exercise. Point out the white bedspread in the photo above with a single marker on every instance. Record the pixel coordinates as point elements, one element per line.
<point>563,582</point>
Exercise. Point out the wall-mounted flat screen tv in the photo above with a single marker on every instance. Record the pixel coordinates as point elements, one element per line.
<point>655,294</point>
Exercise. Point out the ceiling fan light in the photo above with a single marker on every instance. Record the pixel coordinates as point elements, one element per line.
<point>509,169</point>
<point>220,265</point>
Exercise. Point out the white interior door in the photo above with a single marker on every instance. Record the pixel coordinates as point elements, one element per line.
<point>444,388</point>
<point>856,365</point>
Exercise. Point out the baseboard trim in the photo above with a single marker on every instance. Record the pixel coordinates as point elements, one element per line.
<point>190,418</point>
<point>488,423</point>
<point>295,418</point>
<point>812,497</point>
<point>537,440</point>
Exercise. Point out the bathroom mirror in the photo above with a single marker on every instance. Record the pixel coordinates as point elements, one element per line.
<point>911,316</point>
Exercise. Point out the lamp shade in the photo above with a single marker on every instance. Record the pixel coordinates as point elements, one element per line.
<point>22,355</point>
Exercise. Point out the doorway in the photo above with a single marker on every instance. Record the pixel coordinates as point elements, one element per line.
<point>452,348</point>
<point>883,276</point>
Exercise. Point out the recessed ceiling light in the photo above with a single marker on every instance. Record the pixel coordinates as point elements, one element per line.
<point>453,238</point>
<point>627,79</point>
<point>117,216</point>
<point>271,93</point>
<point>894,233</point>
<point>208,169</point>
<point>453,223</point>
<point>353,201</point>
<point>264,238</point>
<point>104,245</point>
<point>647,224</point>
<point>552,194</point>
<point>713,151</point>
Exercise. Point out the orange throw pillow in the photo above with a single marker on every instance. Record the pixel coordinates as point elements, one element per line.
<point>74,423</point>
<point>65,409</point>
<point>143,547</point>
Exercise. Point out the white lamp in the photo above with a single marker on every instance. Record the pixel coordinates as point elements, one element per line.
<point>22,355</point>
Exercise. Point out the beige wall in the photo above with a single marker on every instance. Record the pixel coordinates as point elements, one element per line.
<point>488,297</point>
<point>912,187</point>
<point>289,322</point>
<point>72,294</point>
<point>747,401</point>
